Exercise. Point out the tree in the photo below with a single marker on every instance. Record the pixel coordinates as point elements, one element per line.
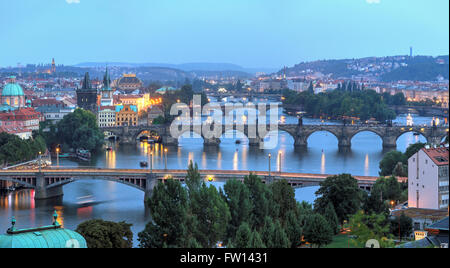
<point>317,231</point>
<point>237,196</point>
<point>293,228</point>
<point>413,149</point>
<point>405,228</point>
<point>106,234</point>
<point>77,130</point>
<point>168,207</point>
<point>330,216</point>
<point>261,200</point>
<point>284,197</point>
<point>243,235</point>
<point>193,178</point>
<point>211,216</point>
<point>256,240</point>
<point>279,237</point>
<point>365,227</point>
<point>390,161</point>
<point>342,192</point>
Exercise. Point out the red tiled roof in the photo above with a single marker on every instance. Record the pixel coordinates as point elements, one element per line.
<point>438,155</point>
<point>47,102</point>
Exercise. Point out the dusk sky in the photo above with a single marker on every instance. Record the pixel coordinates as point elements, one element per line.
<point>251,33</point>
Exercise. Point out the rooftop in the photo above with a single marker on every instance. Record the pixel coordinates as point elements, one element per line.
<point>438,155</point>
<point>52,236</point>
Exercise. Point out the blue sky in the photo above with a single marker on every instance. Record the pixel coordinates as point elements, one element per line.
<point>251,33</point>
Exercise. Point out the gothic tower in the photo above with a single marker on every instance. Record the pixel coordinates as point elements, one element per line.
<point>106,92</point>
<point>87,96</point>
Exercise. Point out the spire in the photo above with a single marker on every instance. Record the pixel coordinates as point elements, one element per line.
<point>107,80</point>
<point>86,82</point>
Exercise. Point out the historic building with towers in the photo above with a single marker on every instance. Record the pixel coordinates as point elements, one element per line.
<point>87,96</point>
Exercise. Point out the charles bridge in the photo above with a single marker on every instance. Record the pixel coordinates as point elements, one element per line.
<point>299,132</point>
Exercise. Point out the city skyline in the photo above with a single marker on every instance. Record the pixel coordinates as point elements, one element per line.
<point>264,34</point>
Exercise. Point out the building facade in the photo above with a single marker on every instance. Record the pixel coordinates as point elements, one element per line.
<point>106,116</point>
<point>126,115</point>
<point>428,179</point>
<point>129,83</point>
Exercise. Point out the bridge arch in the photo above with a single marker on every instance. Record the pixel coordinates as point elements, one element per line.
<point>380,135</point>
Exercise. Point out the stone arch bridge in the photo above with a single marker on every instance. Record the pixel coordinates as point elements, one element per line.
<point>300,133</point>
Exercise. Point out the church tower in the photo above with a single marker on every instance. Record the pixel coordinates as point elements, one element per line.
<point>106,92</point>
<point>87,96</point>
<point>53,66</point>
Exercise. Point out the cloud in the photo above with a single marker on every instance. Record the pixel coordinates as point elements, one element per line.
<point>72,1</point>
<point>373,1</point>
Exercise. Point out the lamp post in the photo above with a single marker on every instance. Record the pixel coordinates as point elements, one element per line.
<point>270,156</point>
<point>40,168</point>
<point>165,158</point>
<point>279,161</point>
<point>57,157</point>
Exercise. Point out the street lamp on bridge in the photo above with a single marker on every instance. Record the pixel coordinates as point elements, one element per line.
<point>270,156</point>
<point>165,158</point>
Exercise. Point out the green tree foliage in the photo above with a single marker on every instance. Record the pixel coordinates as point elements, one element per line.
<point>169,207</point>
<point>406,226</point>
<point>294,227</point>
<point>212,216</point>
<point>193,178</point>
<point>237,196</point>
<point>330,216</point>
<point>14,150</point>
<point>343,193</point>
<point>348,102</point>
<point>374,226</point>
<point>106,234</point>
<point>77,130</point>
<point>284,198</point>
<point>413,149</point>
<point>243,236</point>
<point>389,163</point>
<point>256,240</point>
<point>317,230</point>
<point>261,200</point>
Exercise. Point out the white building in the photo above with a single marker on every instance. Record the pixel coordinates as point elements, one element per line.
<point>428,178</point>
<point>106,116</point>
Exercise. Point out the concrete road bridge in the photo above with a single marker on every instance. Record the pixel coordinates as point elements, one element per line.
<point>49,182</point>
<point>300,133</point>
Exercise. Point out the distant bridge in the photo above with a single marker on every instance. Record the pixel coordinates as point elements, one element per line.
<point>300,133</point>
<point>49,182</point>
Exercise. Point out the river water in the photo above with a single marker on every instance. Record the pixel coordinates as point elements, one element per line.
<point>84,200</point>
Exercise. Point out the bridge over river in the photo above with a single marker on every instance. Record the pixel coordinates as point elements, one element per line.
<point>299,132</point>
<point>50,181</point>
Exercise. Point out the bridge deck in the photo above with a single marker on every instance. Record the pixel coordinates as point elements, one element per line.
<point>174,172</point>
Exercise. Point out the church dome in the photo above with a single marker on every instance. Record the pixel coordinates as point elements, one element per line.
<point>12,89</point>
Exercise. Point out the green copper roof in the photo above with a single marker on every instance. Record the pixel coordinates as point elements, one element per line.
<point>52,236</point>
<point>38,238</point>
<point>12,89</point>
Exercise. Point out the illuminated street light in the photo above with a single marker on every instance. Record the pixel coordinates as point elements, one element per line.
<point>270,156</point>
<point>165,156</point>
<point>57,156</point>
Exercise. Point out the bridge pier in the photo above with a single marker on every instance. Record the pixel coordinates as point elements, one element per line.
<point>42,192</point>
<point>169,141</point>
<point>255,141</point>
<point>301,142</point>
<point>211,142</point>
<point>345,142</point>
<point>150,184</point>
<point>389,142</point>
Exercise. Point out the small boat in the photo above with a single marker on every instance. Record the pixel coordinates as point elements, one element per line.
<point>238,141</point>
<point>416,134</point>
<point>84,155</point>
<point>108,149</point>
<point>144,164</point>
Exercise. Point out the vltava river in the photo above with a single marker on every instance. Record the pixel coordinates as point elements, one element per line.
<point>84,200</point>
